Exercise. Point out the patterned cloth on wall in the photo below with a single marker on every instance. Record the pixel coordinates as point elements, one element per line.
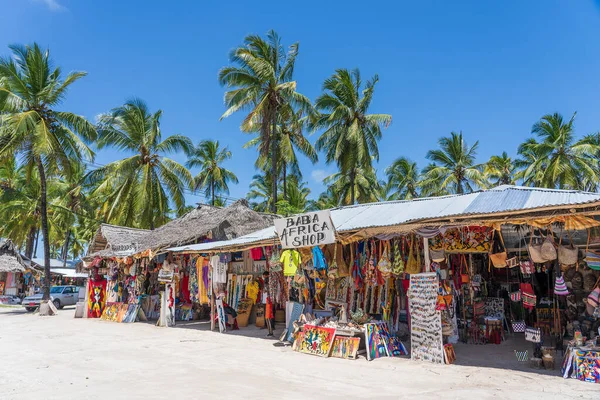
<point>96,297</point>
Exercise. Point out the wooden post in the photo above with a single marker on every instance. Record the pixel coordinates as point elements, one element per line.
<point>212,310</point>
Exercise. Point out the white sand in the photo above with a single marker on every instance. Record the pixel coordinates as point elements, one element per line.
<point>66,358</point>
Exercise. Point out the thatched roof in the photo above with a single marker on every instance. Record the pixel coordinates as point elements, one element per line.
<point>215,223</point>
<point>10,259</point>
<point>110,240</point>
<point>206,221</point>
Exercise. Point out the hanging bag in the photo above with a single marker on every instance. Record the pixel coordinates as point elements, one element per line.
<point>533,334</point>
<point>465,278</point>
<point>515,296</point>
<point>412,265</point>
<point>498,259</point>
<point>567,255</point>
<point>518,326</point>
<point>437,255</point>
<point>384,265</point>
<point>535,250</point>
<point>398,267</point>
<point>548,248</point>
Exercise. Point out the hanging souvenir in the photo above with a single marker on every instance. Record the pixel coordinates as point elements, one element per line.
<point>560,288</point>
<point>398,267</point>
<point>497,257</point>
<point>412,265</point>
<point>515,296</point>
<point>384,265</point>
<point>527,267</point>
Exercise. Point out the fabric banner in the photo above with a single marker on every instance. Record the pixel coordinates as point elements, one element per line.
<point>96,297</point>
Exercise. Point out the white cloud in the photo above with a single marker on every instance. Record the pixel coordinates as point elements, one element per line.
<point>53,5</point>
<point>318,175</point>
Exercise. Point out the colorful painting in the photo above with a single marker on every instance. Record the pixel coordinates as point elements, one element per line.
<point>1,287</point>
<point>110,312</point>
<point>295,314</point>
<point>183,313</point>
<point>96,297</point>
<point>345,347</point>
<point>472,239</point>
<point>131,314</point>
<point>315,340</point>
<point>449,355</point>
<point>586,365</point>
<point>375,343</point>
<point>394,346</point>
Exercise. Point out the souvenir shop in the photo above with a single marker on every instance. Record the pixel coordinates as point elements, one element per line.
<point>424,290</point>
<point>16,277</point>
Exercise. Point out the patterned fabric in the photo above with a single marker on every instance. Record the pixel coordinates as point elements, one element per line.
<point>518,326</point>
<point>533,335</point>
<point>193,280</point>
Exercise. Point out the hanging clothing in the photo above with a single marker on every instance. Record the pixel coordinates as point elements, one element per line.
<point>257,253</point>
<point>219,270</point>
<point>203,280</point>
<point>291,260</point>
<point>319,259</point>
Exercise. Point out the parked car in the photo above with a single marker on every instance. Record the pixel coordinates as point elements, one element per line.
<point>10,299</point>
<point>60,295</point>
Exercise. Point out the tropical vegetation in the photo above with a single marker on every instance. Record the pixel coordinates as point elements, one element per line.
<point>53,192</point>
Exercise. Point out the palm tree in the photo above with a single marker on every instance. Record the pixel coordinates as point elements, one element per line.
<point>261,82</point>
<point>297,197</point>
<point>139,189</point>
<point>500,169</point>
<point>19,204</point>
<point>213,177</point>
<point>260,194</point>
<point>351,134</point>
<point>453,169</point>
<point>46,139</point>
<point>403,179</point>
<point>561,161</point>
<point>358,184</point>
<point>291,141</point>
<point>326,200</point>
<point>530,167</point>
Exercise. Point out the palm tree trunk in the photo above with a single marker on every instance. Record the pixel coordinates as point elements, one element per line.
<point>31,241</point>
<point>284,180</point>
<point>274,162</point>
<point>44,214</point>
<point>66,248</point>
<point>37,237</point>
<point>212,189</point>
<point>352,194</point>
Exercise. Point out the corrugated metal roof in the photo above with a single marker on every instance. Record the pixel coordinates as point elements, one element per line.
<point>500,199</point>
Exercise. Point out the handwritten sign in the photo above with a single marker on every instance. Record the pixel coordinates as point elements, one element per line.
<point>305,230</point>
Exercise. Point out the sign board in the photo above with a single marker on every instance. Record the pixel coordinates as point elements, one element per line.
<point>305,230</point>
<point>165,275</point>
<point>425,321</point>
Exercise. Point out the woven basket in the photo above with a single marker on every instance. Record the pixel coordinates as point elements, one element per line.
<point>536,362</point>
<point>567,255</point>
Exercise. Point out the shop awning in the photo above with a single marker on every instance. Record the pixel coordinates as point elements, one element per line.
<point>500,205</point>
<point>68,272</point>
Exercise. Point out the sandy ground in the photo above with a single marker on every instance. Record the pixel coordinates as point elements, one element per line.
<point>63,357</point>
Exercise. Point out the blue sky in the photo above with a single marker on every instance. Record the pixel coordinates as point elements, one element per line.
<point>490,69</point>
